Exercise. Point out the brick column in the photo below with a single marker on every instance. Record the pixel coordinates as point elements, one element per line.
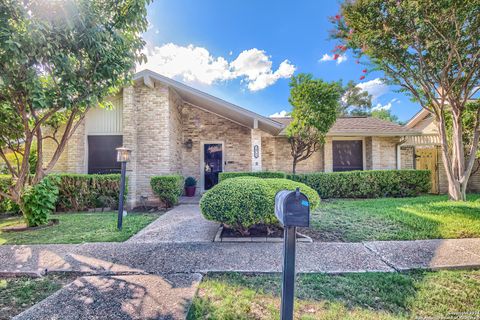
<point>328,155</point>
<point>256,150</point>
<point>130,141</point>
<point>76,150</point>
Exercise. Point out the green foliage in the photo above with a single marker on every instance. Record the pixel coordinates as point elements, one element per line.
<point>168,188</point>
<point>57,60</point>
<point>367,184</point>
<point>315,106</point>
<point>190,182</point>
<point>384,114</point>
<point>39,201</point>
<point>259,174</point>
<point>355,101</point>
<point>80,192</point>
<point>7,205</point>
<point>246,201</point>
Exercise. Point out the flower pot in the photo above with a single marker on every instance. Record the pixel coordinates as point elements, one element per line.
<point>190,191</point>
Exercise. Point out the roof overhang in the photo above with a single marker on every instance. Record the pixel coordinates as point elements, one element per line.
<point>419,116</point>
<point>372,134</point>
<point>212,104</point>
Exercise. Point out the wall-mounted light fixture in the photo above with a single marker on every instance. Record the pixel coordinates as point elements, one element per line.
<point>188,144</point>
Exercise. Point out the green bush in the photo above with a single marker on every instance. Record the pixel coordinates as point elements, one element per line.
<point>367,184</point>
<point>259,174</point>
<point>246,201</point>
<point>190,182</point>
<point>168,188</point>
<point>80,192</point>
<point>38,201</point>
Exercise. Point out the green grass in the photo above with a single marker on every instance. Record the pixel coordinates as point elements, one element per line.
<point>362,296</point>
<point>425,217</point>
<point>77,228</point>
<point>18,294</point>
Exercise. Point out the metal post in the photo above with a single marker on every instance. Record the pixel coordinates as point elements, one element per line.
<point>122,192</point>
<point>288,285</point>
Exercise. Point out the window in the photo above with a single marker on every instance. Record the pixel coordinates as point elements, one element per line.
<point>347,155</point>
<point>102,156</point>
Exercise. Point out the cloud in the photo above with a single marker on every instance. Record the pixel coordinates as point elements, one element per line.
<point>196,64</point>
<point>375,87</point>
<point>327,57</point>
<point>280,114</point>
<point>379,106</point>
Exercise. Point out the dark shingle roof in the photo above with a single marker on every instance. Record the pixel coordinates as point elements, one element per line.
<point>361,126</point>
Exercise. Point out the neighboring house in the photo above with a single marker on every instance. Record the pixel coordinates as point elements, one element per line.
<point>173,128</point>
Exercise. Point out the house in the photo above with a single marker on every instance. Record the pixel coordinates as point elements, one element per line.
<point>173,128</point>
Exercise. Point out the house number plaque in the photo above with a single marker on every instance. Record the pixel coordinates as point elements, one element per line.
<point>255,151</point>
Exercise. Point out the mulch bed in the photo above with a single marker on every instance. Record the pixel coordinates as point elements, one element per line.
<point>255,231</point>
<point>20,228</point>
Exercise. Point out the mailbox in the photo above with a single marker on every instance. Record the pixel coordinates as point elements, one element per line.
<point>292,208</point>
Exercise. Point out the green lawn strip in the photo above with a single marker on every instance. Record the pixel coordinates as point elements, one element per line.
<point>425,217</point>
<point>78,228</point>
<point>415,294</point>
<point>18,294</point>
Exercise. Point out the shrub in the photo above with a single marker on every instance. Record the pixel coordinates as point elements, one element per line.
<point>367,184</point>
<point>168,188</point>
<point>258,174</point>
<point>7,205</point>
<point>246,201</point>
<point>80,192</point>
<point>38,201</point>
<point>190,182</point>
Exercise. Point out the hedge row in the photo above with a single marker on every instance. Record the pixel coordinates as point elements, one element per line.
<point>259,174</point>
<point>6,205</point>
<point>168,188</point>
<point>246,201</point>
<point>80,192</point>
<point>367,184</point>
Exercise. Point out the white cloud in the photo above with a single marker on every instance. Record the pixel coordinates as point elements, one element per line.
<point>379,106</point>
<point>375,87</point>
<point>327,57</point>
<point>196,64</point>
<point>280,114</point>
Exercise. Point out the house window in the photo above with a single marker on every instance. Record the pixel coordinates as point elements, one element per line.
<point>102,156</point>
<point>347,155</point>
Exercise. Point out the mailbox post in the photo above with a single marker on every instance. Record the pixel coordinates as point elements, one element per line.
<point>292,209</point>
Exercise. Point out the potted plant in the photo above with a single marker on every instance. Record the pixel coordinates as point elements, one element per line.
<point>190,186</point>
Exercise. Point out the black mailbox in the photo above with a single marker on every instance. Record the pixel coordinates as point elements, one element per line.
<point>292,208</point>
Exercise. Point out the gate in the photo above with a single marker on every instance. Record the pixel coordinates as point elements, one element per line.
<point>426,159</point>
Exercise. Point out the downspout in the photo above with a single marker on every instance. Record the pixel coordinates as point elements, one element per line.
<point>398,153</point>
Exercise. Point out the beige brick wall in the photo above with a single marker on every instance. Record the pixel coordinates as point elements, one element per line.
<point>175,131</point>
<point>384,153</point>
<point>407,160</point>
<point>202,126</point>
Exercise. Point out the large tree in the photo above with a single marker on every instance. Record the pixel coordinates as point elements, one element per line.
<point>58,59</point>
<point>355,101</point>
<point>431,49</point>
<point>315,106</point>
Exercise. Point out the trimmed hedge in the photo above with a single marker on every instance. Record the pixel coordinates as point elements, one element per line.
<point>259,174</point>
<point>367,184</point>
<point>246,201</point>
<point>168,188</point>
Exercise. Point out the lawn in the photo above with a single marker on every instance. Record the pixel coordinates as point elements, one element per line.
<point>78,228</point>
<point>425,217</point>
<point>362,296</point>
<point>18,294</point>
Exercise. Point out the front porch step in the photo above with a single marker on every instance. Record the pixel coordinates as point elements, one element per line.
<point>189,200</point>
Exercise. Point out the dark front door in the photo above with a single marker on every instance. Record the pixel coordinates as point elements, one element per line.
<point>213,160</point>
<point>347,155</point>
<point>102,156</point>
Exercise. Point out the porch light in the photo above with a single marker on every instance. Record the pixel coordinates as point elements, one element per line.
<point>123,154</point>
<point>189,144</point>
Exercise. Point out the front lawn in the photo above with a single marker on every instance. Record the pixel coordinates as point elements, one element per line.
<point>77,228</point>
<point>19,294</point>
<point>425,217</point>
<point>362,296</point>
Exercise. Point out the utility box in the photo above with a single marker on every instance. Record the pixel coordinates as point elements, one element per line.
<point>292,208</point>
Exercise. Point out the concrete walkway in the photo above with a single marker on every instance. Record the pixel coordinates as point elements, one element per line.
<point>155,274</point>
<point>183,223</point>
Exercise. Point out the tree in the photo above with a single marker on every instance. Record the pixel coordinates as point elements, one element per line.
<point>355,101</point>
<point>384,114</point>
<point>431,49</point>
<point>58,59</point>
<point>315,105</point>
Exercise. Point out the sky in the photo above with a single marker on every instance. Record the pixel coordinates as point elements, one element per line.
<point>246,51</point>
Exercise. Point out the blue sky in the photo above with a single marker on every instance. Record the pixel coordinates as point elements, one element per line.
<point>245,51</point>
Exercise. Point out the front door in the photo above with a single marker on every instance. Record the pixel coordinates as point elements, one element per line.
<point>212,164</point>
<point>426,159</point>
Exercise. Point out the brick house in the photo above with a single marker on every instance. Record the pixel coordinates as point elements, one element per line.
<point>173,128</point>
